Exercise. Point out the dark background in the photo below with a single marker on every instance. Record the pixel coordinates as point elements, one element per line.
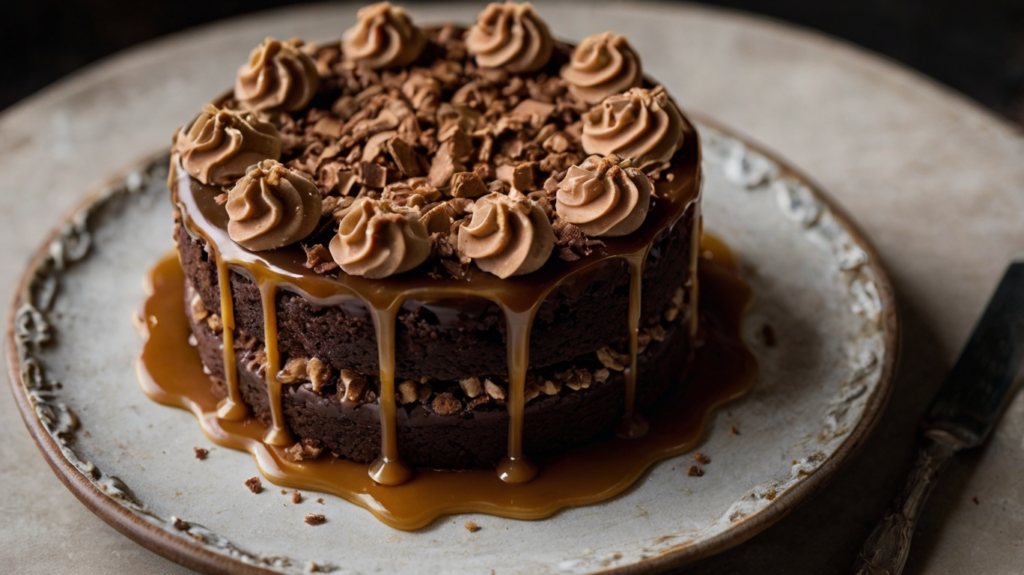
<point>974,46</point>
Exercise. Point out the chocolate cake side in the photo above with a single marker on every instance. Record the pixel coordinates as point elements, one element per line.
<point>446,429</point>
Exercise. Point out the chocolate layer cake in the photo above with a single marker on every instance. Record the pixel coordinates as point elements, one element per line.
<point>445,247</point>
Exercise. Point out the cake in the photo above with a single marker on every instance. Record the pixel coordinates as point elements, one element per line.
<point>447,248</point>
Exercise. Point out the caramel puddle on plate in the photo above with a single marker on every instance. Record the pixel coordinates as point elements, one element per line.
<point>722,370</point>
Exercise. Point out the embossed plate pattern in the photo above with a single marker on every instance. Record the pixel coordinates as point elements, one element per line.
<point>827,357</point>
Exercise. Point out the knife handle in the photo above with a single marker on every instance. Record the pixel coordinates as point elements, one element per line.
<point>885,551</point>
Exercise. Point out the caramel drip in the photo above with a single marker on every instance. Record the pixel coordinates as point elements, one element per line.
<point>233,407</point>
<point>697,239</point>
<point>277,434</point>
<point>633,424</point>
<point>515,467</point>
<point>722,370</point>
<point>389,469</point>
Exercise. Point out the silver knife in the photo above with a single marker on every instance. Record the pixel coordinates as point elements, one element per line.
<point>960,417</point>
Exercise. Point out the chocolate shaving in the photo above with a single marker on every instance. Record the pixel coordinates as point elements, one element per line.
<point>319,259</point>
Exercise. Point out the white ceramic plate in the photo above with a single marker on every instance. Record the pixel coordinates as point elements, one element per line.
<point>824,382</point>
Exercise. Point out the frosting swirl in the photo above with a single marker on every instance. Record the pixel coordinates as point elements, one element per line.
<point>383,37</point>
<point>278,78</point>
<point>641,124</point>
<point>604,198</point>
<point>376,239</point>
<point>507,236</point>
<point>510,36</point>
<point>219,146</point>
<point>272,206</point>
<point>602,65</point>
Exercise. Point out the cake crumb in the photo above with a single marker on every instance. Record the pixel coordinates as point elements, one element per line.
<point>320,500</point>
<point>181,524</point>
<point>303,450</point>
<point>296,497</point>
<point>472,527</point>
<point>733,430</point>
<point>284,491</point>
<point>975,500</point>
<point>201,452</point>
<point>695,471</point>
<point>254,484</point>
<point>700,457</point>
<point>315,519</point>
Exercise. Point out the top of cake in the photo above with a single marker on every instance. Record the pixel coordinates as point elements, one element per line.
<point>441,149</point>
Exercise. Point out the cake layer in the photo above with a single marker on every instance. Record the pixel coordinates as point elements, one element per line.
<point>455,339</point>
<point>469,437</point>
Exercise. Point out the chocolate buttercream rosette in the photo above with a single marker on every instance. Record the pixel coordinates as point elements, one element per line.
<point>272,206</point>
<point>510,36</point>
<point>641,124</point>
<point>602,65</point>
<point>279,77</point>
<point>384,37</point>
<point>221,144</point>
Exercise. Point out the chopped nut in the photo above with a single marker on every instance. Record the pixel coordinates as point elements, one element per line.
<point>304,449</point>
<point>446,404</point>
<point>467,185</point>
<point>181,524</point>
<point>201,452</point>
<point>199,312</point>
<point>551,387</point>
<point>318,372</point>
<point>575,379</point>
<point>315,519</point>
<point>733,430</point>
<point>407,392</point>
<point>471,386</point>
<point>423,392</point>
<point>602,375</point>
<point>472,527</point>
<point>612,359</point>
<point>296,497</point>
<point>701,458</point>
<point>494,390</point>
<point>354,385</point>
<point>254,484</point>
<point>532,390</point>
<point>293,371</point>
<point>213,322</point>
<point>695,471</point>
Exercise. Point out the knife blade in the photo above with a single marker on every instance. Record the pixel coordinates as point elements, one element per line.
<point>960,416</point>
<point>976,390</point>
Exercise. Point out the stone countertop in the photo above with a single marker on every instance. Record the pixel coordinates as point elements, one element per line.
<point>935,182</point>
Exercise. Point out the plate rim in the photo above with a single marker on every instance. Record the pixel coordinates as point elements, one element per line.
<point>201,558</point>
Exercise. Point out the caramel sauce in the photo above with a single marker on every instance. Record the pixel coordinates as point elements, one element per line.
<point>519,298</point>
<point>722,370</point>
